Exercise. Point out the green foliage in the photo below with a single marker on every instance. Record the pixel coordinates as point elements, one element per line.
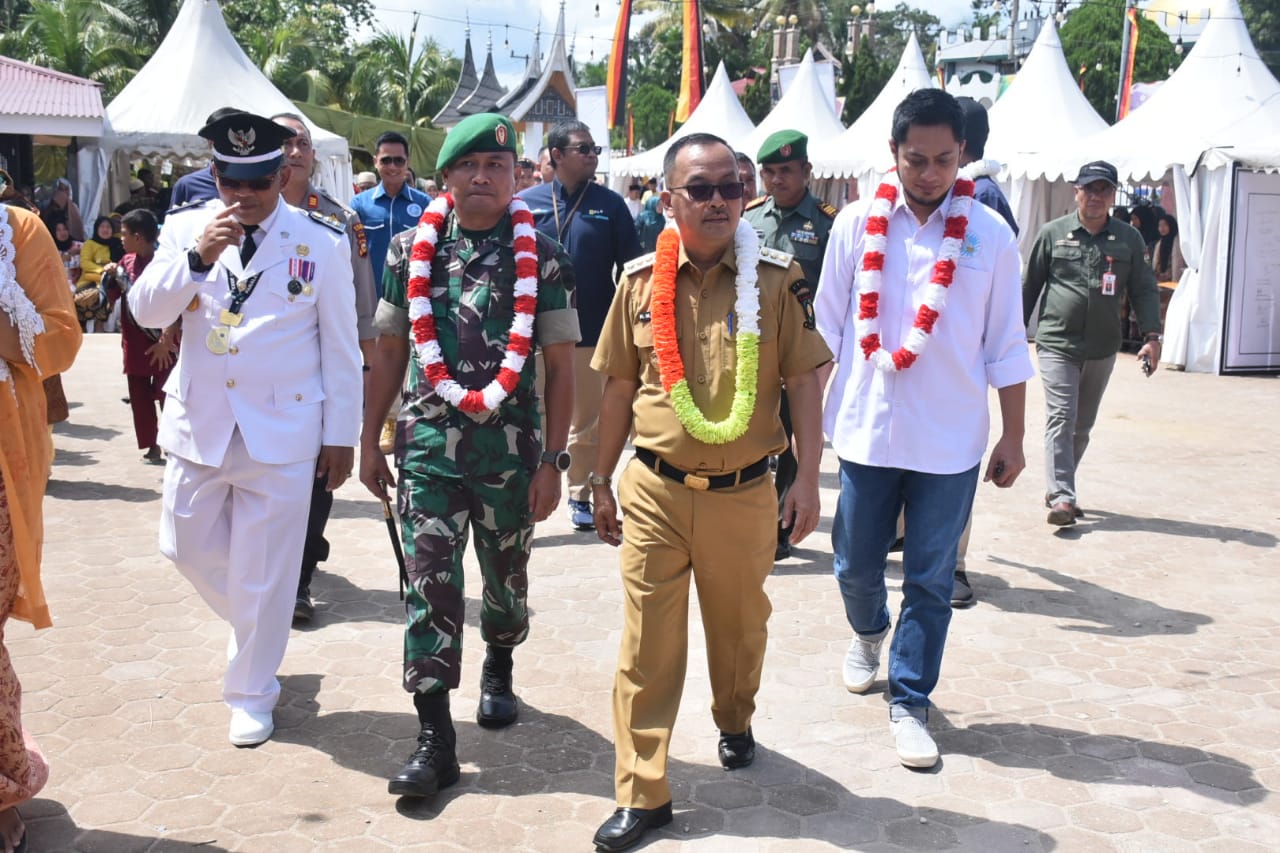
<point>1262,17</point>
<point>591,74</point>
<point>652,106</point>
<point>864,78</point>
<point>401,78</point>
<point>1092,34</point>
<point>87,38</point>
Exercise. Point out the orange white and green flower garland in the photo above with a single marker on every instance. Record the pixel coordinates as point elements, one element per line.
<point>867,322</point>
<point>746,309</point>
<point>422,317</point>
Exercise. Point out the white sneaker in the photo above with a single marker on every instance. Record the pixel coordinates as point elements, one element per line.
<point>250,728</point>
<point>915,747</point>
<point>862,662</point>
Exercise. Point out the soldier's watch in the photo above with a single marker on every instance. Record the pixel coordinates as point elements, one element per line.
<point>560,459</point>
<point>196,263</point>
<point>599,480</point>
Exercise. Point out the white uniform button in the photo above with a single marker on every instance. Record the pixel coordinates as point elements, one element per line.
<point>231,383</point>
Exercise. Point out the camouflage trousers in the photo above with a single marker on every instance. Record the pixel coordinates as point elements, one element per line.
<point>436,516</point>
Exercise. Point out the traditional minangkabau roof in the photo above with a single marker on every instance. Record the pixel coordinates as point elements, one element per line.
<point>553,97</point>
<point>451,114</point>
<point>488,92</point>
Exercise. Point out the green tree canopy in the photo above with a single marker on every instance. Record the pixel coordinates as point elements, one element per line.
<point>1092,35</point>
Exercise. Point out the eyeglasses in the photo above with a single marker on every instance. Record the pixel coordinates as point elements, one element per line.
<point>584,149</point>
<point>256,184</point>
<point>392,161</point>
<point>702,193</point>
<point>1097,188</point>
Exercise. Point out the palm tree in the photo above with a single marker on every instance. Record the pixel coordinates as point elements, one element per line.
<point>87,38</point>
<point>291,59</point>
<point>399,78</point>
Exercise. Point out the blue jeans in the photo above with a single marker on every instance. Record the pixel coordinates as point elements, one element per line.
<point>936,508</point>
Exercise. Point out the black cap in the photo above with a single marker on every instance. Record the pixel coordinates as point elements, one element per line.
<point>246,145</point>
<point>1098,170</point>
<point>976,126</point>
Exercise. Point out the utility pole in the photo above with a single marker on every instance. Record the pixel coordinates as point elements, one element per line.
<point>1013,24</point>
<point>1125,40</point>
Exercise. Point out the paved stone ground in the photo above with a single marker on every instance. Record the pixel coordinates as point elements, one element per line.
<point>1116,688</point>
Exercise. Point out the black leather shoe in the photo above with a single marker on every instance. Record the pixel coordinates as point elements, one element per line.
<point>303,609</point>
<point>783,551</point>
<point>737,750</point>
<point>961,592</point>
<point>626,827</point>
<point>497,707</point>
<point>434,764</point>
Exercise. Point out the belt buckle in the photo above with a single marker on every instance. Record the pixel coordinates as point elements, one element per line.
<point>699,484</point>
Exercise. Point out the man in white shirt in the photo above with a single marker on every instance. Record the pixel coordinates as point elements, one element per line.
<point>919,334</point>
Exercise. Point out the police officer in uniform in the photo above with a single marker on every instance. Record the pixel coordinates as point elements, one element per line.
<point>700,467</point>
<point>470,465</point>
<point>264,397</point>
<point>791,219</point>
<point>300,156</point>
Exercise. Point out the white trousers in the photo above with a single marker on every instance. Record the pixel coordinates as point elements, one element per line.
<point>236,532</point>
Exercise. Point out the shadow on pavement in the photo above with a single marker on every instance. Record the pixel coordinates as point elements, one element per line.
<point>365,508</point>
<point>1114,613</point>
<point>89,432</point>
<point>552,753</point>
<point>1109,759</point>
<point>88,490</point>
<point>50,827</point>
<point>72,458</point>
<point>1097,521</point>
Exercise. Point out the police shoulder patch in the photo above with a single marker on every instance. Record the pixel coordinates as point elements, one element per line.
<point>828,208</point>
<point>636,265</point>
<point>757,201</point>
<point>332,225</point>
<point>775,257</point>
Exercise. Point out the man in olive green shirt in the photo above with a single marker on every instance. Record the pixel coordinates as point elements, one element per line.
<point>1081,267</point>
<point>791,219</point>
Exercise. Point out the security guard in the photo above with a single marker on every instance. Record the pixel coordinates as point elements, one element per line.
<point>264,398</point>
<point>300,155</point>
<point>701,309</point>
<point>790,218</point>
<point>476,287</point>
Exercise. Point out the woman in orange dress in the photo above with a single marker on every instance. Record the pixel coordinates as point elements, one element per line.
<point>39,336</point>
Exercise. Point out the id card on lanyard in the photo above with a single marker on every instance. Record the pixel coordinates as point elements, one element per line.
<point>1109,280</point>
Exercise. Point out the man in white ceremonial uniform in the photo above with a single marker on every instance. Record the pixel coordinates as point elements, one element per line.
<point>265,396</point>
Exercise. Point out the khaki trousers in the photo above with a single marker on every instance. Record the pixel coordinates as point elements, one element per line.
<point>588,388</point>
<point>724,540</point>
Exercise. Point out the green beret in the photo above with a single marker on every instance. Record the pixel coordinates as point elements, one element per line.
<point>783,146</point>
<point>479,132</point>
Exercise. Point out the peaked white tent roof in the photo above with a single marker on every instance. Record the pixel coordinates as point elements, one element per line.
<point>198,68</point>
<point>1221,96</point>
<point>719,112</point>
<point>806,106</point>
<point>864,147</point>
<point>1043,108</point>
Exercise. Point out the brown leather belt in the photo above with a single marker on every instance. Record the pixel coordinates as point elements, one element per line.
<point>698,482</point>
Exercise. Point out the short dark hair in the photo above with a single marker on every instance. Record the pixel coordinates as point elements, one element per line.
<point>744,159</point>
<point>977,127</point>
<point>559,135</point>
<point>143,223</point>
<point>928,108</point>
<point>390,137</point>
<point>669,159</point>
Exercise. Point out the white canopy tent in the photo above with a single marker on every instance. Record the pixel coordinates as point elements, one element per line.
<point>862,151</point>
<point>197,69</point>
<point>806,106</point>
<point>1219,109</point>
<point>719,112</point>
<point>1042,108</point>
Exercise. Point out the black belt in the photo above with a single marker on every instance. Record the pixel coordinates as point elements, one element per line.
<point>698,482</point>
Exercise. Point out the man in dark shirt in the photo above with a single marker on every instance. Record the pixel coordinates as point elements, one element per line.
<point>985,189</point>
<point>596,229</point>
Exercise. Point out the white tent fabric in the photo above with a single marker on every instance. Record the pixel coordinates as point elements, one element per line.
<point>197,69</point>
<point>862,151</point>
<point>719,112</point>
<point>1042,108</point>
<point>806,106</point>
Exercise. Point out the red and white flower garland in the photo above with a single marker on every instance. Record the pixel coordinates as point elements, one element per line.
<point>867,322</point>
<point>422,317</point>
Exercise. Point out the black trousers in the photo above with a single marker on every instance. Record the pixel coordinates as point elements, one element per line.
<point>316,548</point>
<point>785,477</point>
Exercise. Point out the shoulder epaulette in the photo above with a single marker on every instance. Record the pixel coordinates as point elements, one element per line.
<point>186,205</point>
<point>828,208</point>
<point>757,201</point>
<point>775,257</point>
<point>635,265</point>
<point>317,216</point>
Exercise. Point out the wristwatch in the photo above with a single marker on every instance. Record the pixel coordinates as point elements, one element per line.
<point>1154,338</point>
<point>599,480</point>
<point>196,263</point>
<point>560,459</point>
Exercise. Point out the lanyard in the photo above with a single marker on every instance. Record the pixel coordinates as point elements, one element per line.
<point>555,209</point>
<point>240,290</point>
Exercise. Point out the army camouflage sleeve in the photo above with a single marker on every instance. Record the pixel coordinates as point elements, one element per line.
<point>800,347</point>
<point>557,318</point>
<point>392,317</point>
<point>615,353</point>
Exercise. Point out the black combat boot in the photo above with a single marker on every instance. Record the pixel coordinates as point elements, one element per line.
<point>497,701</point>
<point>434,764</point>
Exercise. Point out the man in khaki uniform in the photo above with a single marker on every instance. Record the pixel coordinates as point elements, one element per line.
<point>681,493</point>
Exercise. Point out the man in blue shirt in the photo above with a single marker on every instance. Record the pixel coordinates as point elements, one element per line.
<point>985,190</point>
<point>393,205</point>
<point>596,229</point>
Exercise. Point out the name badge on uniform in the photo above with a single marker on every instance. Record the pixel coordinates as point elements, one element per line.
<point>1108,284</point>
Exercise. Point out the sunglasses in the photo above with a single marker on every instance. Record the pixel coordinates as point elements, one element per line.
<point>702,193</point>
<point>584,149</point>
<point>392,161</point>
<point>256,184</point>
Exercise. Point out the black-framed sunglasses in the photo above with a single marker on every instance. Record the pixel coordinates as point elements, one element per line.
<point>256,184</point>
<point>392,161</point>
<point>703,193</point>
<point>584,149</point>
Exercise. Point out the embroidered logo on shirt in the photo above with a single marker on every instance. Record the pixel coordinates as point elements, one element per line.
<point>972,245</point>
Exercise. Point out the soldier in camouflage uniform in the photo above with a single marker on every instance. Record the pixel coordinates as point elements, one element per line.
<point>791,219</point>
<point>489,474</point>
